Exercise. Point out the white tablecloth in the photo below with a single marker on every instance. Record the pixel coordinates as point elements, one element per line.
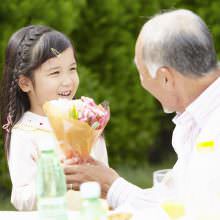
<point>15,215</point>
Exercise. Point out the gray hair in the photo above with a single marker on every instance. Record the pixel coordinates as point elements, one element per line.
<point>178,39</point>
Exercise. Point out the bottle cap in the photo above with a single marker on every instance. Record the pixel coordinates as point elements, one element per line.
<point>89,190</point>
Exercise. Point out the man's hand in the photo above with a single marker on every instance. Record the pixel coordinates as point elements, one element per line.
<point>90,171</point>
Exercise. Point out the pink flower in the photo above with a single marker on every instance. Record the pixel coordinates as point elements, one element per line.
<point>87,111</point>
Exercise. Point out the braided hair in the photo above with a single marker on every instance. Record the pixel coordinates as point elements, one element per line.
<point>27,49</point>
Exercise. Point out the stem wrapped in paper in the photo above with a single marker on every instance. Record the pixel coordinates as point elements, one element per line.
<point>77,124</point>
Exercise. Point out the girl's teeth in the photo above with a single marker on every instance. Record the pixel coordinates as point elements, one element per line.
<point>64,93</point>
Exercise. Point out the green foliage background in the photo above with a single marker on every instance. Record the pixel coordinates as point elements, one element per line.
<point>104,33</point>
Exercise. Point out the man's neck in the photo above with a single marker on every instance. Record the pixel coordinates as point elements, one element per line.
<point>194,87</point>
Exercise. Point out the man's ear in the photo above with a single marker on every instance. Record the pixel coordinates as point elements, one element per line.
<point>165,76</point>
<point>24,83</point>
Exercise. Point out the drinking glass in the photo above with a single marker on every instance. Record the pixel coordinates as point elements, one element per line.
<point>158,176</point>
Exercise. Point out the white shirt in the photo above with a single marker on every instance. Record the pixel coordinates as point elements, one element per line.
<point>26,138</point>
<point>196,174</point>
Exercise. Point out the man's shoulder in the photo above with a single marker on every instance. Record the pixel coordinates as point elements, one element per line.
<point>211,130</point>
<point>213,121</point>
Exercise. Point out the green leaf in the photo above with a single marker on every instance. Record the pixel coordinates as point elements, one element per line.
<point>73,113</point>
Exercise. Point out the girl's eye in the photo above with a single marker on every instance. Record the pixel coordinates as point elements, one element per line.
<point>54,73</point>
<point>73,69</point>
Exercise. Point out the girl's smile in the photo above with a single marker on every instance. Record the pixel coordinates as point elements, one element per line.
<point>64,94</point>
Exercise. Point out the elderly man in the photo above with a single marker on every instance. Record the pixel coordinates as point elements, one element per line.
<point>176,61</point>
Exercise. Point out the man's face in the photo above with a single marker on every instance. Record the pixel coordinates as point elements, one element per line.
<point>158,87</point>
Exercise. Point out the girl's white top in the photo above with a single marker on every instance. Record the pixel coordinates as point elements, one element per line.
<point>26,137</point>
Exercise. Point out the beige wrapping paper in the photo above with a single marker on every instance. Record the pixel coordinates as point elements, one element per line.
<point>75,137</point>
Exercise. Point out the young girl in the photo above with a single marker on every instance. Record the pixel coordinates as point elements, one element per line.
<point>33,74</point>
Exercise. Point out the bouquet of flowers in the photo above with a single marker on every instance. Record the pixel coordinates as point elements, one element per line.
<point>77,123</point>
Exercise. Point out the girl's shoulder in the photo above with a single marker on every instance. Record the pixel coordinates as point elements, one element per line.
<point>29,133</point>
<point>31,122</point>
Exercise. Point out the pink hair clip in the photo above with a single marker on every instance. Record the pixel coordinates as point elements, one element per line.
<point>8,124</point>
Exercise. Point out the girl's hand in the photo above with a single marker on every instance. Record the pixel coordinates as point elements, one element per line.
<point>74,161</point>
<point>77,160</point>
<point>91,171</point>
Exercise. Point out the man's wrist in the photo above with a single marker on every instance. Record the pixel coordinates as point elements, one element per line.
<point>113,177</point>
<point>114,191</point>
<point>110,180</point>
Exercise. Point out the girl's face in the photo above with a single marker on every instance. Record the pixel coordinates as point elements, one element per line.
<point>55,78</point>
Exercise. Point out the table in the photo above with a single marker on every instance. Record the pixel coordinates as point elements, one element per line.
<point>15,215</point>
